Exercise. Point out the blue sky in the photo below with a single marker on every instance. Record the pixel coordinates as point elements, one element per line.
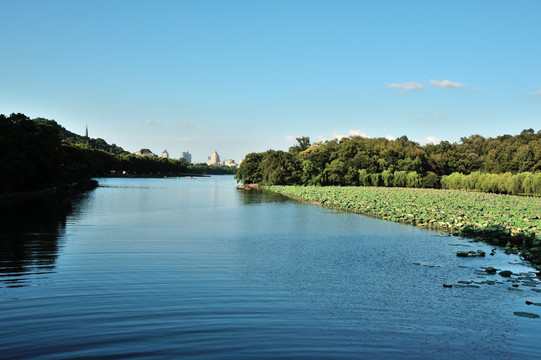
<point>244,76</point>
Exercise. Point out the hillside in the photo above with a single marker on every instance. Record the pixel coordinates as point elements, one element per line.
<point>39,154</point>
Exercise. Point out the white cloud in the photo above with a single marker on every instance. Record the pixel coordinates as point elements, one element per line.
<point>437,116</point>
<point>150,122</point>
<point>412,85</point>
<point>390,137</point>
<point>338,136</point>
<point>357,133</point>
<point>536,92</point>
<point>433,140</point>
<point>447,84</point>
<point>291,138</point>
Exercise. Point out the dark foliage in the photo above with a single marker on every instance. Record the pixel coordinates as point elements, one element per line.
<point>38,154</point>
<point>401,162</point>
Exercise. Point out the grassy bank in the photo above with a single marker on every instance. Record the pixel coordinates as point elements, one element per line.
<point>512,222</point>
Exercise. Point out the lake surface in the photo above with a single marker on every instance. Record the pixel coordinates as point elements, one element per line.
<point>179,268</point>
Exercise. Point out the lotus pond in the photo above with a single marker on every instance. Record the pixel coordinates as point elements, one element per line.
<point>512,222</point>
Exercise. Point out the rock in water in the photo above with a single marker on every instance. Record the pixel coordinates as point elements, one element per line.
<point>526,314</point>
<point>505,273</point>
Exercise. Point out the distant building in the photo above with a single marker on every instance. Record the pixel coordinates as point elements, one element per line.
<point>186,156</point>
<point>165,154</point>
<point>145,152</point>
<point>230,163</point>
<point>86,131</point>
<point>214,159</point>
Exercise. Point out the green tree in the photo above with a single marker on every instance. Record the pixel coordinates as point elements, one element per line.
<point>364,178</point>
<point>303,143</point>
<point>413,180</point>
<point>387,178</point>
<point>400,178</point>
<point>249,171</point>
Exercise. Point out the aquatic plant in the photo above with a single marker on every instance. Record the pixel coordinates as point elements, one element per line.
<point>512,222</point>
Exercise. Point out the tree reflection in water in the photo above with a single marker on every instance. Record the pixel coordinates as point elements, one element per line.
<point>256,197</point>
<point>31,236</point>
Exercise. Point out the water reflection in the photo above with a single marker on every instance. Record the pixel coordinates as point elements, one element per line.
<point>30,236</point>
<point>260,197</point>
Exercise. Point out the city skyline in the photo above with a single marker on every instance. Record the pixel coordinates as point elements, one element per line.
<point>248,76</point>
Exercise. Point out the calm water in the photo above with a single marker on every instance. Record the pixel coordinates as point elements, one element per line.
<point>178,268</point>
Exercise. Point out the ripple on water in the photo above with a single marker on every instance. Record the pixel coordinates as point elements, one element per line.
<point>165,268</point>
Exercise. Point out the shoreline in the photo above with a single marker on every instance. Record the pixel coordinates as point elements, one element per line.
<point>53,190</point>
<point>511,240</point>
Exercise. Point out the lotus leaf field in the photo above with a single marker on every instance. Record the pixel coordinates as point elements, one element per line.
<point>512,222</point>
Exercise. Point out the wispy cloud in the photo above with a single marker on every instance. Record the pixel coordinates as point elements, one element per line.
<point>358,133</point>
<point>412,85</point>
<point>184,139</point>
<point>492,113</point>
<point>437,116</point>
<point>447,84</point>
<point>433,140</point>
<point>536,92</point>
<point>339,136</point>
<point>291,138</point>
<point>188,123</point>
<point>151,122</point>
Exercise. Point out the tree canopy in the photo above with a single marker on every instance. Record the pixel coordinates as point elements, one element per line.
<point>40,153</point>
<point>364,161</point>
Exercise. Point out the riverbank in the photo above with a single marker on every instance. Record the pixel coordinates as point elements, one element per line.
<point>511,222</point>
<point>155,176</point>
<point>53,190</point>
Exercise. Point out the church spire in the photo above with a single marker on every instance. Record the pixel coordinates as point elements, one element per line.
<point>86,131</point>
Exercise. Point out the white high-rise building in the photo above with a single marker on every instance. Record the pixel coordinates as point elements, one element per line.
<point>214,159</point>
<point>186,156</point>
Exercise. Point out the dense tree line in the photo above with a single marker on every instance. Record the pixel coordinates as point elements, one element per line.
<point>39,153</point>
<point>524,183</point>
<point>31,154</point>
<point>359,161</point>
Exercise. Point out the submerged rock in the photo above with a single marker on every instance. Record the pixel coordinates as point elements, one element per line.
<point>471,253</point>
<point>526,314</point>
<point>506,273</point>
<point>490,270</point>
